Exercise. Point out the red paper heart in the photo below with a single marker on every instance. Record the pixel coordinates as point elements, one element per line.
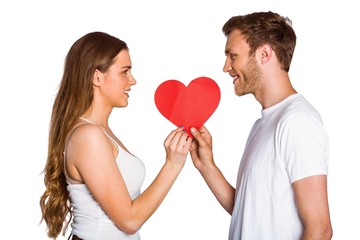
<point>189,106</point>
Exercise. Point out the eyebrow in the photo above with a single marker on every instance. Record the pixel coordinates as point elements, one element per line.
<point>228,51</point>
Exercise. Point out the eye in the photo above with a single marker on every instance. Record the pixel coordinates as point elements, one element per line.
<point>232,56</point>
<point>126,71</point>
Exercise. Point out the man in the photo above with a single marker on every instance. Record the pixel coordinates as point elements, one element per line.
<point>281,189</point>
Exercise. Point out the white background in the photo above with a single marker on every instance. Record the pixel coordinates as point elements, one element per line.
<point>172,40</point>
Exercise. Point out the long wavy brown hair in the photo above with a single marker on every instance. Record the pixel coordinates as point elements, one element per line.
<point>93,51</point>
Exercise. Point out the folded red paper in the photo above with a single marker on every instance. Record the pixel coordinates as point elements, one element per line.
<point>189,106</point>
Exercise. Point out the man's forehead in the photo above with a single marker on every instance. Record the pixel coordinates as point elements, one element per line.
<point>235,34</point>
<point>235,40</point>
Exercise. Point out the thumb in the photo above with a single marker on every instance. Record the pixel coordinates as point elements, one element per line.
<point>196,134</point>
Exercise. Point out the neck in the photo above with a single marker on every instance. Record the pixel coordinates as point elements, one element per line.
<point>96,118</point>
<point>274,91</point>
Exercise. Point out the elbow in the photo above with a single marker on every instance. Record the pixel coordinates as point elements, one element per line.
<point>129,220</point>
<point>328,233</point>
<point>130,227</point>
<point>130,231</point>
<point>324,232</point>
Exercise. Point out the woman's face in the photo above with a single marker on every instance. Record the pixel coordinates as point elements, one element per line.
<point>118,80</point>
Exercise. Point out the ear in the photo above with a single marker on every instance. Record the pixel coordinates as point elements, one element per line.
<point>265,53</point>
<point>97,78</point>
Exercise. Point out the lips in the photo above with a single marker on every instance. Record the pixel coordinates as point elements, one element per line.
<point>235,78</point>
<point>127,92</point>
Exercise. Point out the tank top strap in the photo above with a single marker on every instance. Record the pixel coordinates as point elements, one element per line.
<point>86,120</point>
<point>110,138</point>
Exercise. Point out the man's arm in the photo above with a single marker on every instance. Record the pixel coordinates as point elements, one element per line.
<point>202,157</point>
<point>312,203</point>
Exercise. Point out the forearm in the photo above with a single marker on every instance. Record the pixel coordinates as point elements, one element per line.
<point>147,203</point>
<point>220,187</point>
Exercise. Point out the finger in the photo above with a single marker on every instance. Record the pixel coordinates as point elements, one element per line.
<point>188,144</point>
<point>171,136</point>
<point>196,134</point>
<point>199,137</point>
<point>194,144</point>
<point>203,130</point>
<point>176,140</point>
<point>183,140</point>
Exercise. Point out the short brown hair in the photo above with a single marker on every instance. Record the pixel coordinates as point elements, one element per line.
<point>261,28</point>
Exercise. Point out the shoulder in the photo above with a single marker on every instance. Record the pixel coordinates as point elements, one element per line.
<point>88,137</point>
<point>87,131</point>
<point>298,109</point>
<point>300,120</point>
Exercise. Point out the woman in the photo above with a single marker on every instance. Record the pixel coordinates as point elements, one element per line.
<point>90,177</point>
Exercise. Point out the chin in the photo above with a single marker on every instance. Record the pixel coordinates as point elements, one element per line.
<point>122,105</point>
<point>239,93</point>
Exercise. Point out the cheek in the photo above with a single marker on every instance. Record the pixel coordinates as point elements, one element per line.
<point>114,88</point>
<point>237,67</point>
<point>118,84</point>
<point>237,64</point>
<point>123,82</point>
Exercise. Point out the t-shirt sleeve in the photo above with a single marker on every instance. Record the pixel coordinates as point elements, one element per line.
<point>304,147</point>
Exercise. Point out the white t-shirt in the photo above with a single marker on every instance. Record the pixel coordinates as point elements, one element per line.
<point>286,144</point>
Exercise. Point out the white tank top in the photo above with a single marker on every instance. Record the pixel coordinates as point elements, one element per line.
<point>90,222</point>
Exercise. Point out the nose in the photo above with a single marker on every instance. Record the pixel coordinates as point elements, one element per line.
<point>132,80</point>
<point>227,66</point>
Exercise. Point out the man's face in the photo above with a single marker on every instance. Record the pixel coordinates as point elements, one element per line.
<point>241,67</point>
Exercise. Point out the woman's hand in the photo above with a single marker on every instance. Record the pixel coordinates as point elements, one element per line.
<point>177,146</point>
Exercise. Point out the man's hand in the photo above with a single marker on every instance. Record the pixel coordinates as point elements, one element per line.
<point>201,148</point>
